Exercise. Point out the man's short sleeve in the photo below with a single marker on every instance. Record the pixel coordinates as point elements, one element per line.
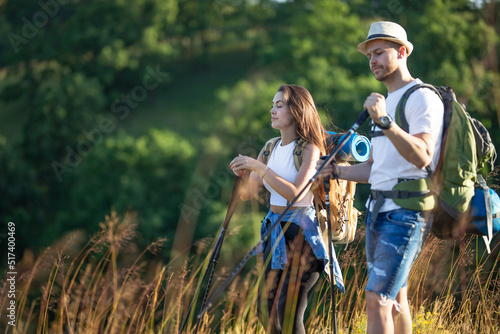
<point>424,112</point>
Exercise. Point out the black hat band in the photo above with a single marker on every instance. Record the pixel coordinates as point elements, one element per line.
<point>380,35</point>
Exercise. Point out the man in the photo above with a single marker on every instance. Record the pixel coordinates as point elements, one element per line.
<point>394,235</point>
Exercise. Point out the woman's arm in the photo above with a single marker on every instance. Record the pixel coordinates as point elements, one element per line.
<point>259,172</point>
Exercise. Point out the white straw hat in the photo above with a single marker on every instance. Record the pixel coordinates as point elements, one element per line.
<point>388,31</point>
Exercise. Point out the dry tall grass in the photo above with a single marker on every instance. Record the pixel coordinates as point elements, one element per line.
<point>109,286</point>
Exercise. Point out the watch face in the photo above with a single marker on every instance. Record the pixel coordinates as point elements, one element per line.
<point>385,122</point>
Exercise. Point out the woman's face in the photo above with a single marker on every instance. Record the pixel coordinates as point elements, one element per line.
<point>281,117</point>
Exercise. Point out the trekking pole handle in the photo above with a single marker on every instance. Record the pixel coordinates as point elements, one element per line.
<point>361,119</point>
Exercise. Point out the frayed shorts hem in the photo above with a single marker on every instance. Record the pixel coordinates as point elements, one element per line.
<point>384,299</point>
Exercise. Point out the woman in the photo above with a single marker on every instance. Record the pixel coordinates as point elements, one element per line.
<point>299,258</point>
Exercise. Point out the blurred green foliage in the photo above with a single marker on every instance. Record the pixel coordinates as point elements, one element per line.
<point>145,174</point>
<point>140,105</point>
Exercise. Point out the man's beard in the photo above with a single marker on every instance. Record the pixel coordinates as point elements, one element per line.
<point>386,73</point>
<point>385,76</point>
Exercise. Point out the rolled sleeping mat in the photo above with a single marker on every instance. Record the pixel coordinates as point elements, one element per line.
<point>356,149</point>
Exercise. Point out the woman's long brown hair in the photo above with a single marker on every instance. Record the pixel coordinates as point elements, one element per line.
<point>306,115</point>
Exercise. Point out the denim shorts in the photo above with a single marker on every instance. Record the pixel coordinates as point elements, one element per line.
<point>392,245</point>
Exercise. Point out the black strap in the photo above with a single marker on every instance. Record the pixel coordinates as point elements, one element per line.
<point>493,216</point>
<point>401,194</point>
<point>377,133</point>
<point>380,195</point>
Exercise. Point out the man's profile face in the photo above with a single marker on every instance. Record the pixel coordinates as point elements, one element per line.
<point>383,57</point>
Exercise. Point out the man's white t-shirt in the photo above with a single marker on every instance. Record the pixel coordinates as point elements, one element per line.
<point>424,112</point>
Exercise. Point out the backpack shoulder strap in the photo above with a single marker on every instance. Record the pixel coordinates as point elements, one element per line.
<point>298,152</point>
<point>268,148</point>
<point>400,109</point>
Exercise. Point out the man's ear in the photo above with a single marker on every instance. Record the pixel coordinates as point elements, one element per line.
<point>402,52</point>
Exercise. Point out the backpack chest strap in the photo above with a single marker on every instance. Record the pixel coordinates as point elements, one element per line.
<point>376,133</point>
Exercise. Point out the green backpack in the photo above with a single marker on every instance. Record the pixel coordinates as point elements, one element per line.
<point>465,149</point>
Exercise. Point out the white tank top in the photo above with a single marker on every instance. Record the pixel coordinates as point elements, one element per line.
<point>281,162</point>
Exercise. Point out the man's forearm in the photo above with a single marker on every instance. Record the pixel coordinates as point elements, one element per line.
<point>358,173</point>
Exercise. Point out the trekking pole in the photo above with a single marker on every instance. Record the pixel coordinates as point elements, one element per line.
<point>326,185</point>
<point>328,160</point>
<point>214,257</point>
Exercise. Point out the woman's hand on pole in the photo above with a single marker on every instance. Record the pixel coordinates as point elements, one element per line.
<point>243,163</point>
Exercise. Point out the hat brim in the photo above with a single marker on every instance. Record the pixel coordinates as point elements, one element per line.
<point>406,44</point>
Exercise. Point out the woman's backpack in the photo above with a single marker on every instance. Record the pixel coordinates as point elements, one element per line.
<point>343,214</point>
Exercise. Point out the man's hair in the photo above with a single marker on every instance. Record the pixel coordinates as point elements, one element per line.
<point>397,46</point>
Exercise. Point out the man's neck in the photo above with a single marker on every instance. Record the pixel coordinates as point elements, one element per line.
<point>398,80</point>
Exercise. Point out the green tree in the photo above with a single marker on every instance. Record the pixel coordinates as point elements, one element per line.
<point>64,62</point>
<point>147,175</point>
<point>60,105</point>
<point>106,40</point>
<point>318,51</point>
<point>453,50</point>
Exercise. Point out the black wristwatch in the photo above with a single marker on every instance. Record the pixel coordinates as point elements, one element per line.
<point>385,122</point>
